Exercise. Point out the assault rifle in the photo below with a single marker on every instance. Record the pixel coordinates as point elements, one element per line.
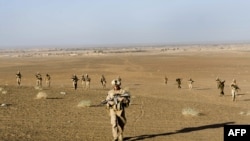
<point>115,98</point>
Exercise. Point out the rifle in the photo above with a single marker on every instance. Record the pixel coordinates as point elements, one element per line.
<point>115,98</point>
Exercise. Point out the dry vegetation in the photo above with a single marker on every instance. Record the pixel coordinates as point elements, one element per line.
<point>158,112</point>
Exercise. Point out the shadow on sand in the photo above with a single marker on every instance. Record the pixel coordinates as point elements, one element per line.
<point>241,94</point>
<point>202,88</point>
<point>184,130</point>
<point>54,98</point>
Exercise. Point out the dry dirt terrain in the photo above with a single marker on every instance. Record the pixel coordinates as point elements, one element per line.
<point>157,110</point>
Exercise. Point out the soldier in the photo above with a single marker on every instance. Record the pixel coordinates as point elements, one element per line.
<point>83,81</point>
<point>221,87</point>
<point>165,80</point>
<point>74,79</point>
<point>39,79</point>
<point>18,78</point>
<point>87,81</point>
<point>217,82</point>
<point>103,82</point>
<point>190,83</point>
<point>234,89</point>
<point>47,79</point>
<point>116,104</point>
<point>178,80</point>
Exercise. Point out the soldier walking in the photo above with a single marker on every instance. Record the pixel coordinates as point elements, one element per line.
<point>221,86</point>
<point>74,79</point>
<point>83,81</point>
<point>165,80</point>
<point>39,79</point>
<point>234,89</point>
<point>116,106</point>
<point>47,80</point>
<point>178,80</point>
<point>217,82</point>
<point>190,83</point>
<point>87,81</point>
<point>103,81</point>
<point>18,78</point>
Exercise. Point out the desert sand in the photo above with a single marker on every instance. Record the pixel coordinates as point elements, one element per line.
<point>157,110</point>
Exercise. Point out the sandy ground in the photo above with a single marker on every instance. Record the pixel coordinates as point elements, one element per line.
<point>155,113</point>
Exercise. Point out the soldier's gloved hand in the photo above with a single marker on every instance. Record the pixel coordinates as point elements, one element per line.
<point>111,103</point>
<point>120,98</point>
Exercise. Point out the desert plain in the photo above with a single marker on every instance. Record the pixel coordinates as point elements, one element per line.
<point>158,111</point>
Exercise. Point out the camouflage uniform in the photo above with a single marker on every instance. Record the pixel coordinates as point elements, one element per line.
<point>48,80</point>
<point>217,82</point>
<point>165,80</point>
<point>74,79</point>
<point>178,80</point>
<point>234,89</point>
<point>221,87</point>
<point>18,78</point>
<point>103,81</point>
<point>190,83</point>
<point>39,79</point>
<point>116,107</point>
<point>83,81</point>
<point>87,81</point>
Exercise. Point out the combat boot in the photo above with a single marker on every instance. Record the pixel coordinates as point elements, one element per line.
<point>120,138</point>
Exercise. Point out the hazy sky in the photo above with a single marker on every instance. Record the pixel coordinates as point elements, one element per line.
<point>28,23</point>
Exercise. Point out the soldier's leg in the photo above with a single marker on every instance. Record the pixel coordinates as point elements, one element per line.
<point>233,95</point>
<point>87,85</point>
<point>48,83</point>
<point>18,81</point>
<point>113,119</point>
<point>83,84</point>
<point>104,84</point>
<point>121,125</point>
<point>222,92</point>
<point>75,86</point>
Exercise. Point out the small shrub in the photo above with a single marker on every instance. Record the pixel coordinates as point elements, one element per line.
<point>84,103</point>
<point>245,113</point>
<point>38,88</point>
<point>63,93</point>
<point>41,95</point>
<point>190,111</point>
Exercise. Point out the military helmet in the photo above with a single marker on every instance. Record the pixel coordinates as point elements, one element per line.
<point>115,82</point>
